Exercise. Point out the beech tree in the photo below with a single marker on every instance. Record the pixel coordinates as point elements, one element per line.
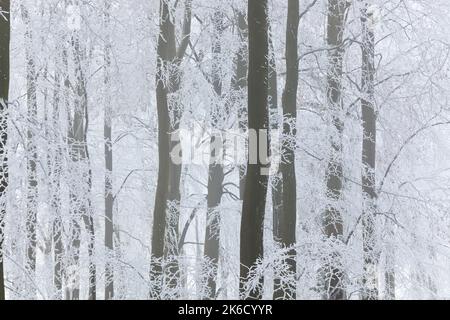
<point>126,179</point>
<point>216,171</point>
<point>333,220</point>
<point>109,197</point>
<point>166,213</point>
<point>287,217</point>
<point>369,120</point>
<point>255,192</point>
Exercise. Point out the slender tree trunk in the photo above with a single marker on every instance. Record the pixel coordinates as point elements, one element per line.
<point>86,206</point>
<point>252,223</point>
<point>389,273</point>
<point>67,259</point>
<point>54,158</point>
<point>165,242</point>
<point>55,183</point>
<point>5,31</point>
<point>274,119</point>
<point>31,148</point>
<point>166,54</point>
<point>369,122</point>
<point>239,83</point>
<point>287,217</point>
<point>109,201</point>
<point>171,250</point>
<point>276,183</point>
<point>77,205</point>
<point>216,174</point>
<point>80,202</point>
<point>333,275</point>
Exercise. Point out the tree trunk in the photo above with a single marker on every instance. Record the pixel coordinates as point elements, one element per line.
<point>167,201</point>
<point>166,54</point>
<point>31,148</point>
<point>389,273</point>
<point>239,83</point>
<point>55,167</point>
<point>333,275</point>
<point>5,31</point>
<point>80,201</point>
<point>216,174</point>
<point>274,119</point>
<point>171,246</point>
<point>62,266</point>
<point>86,208</point>
<point>287,218</point>
<point>253,212</point>
<point>369,123</point>
<point>109,201</point>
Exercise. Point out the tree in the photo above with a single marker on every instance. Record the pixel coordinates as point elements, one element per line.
<point>107,132</point>
<point>333,275</point>
<point>55,169</point>
<point>216,173</point>
<point>166,210</point>
<point>80,196</point>
<point>274,119</point>
<point>239,82</point>
<point>255,194</point>
<point>5,31</point>
<point>369,123</point>
<point>166,53</point>
<point>389,274</point>
<point>287,217</point>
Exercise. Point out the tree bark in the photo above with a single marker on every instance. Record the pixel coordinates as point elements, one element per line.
<point>80,201</point>
<point>167,200</point>
<point>109,201</point>
<point>253,212</point>
<point>274,118</point>
<point>55,198</point>
<point>389,263</point>
<point>333,275</point>
<point>5,32</point>
<point>287,218</point>
<point>216,174</point>
<point>166,55</point>
<point>369,123</point>
<point>239,83</point>
<point>389,278</point>
<point>171,246</point>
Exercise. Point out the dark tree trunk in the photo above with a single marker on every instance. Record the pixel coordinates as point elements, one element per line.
<point>171,246</point>
<point>274,118</point>
<point>5,31</point>
<point>109,201</point>
<point>253,212</point>
<point>333,275</point>
<point>369,122</point>
<point>166,54</point>
<point>216,174</point>
<point>166,213</point>
<point>287,218</point>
